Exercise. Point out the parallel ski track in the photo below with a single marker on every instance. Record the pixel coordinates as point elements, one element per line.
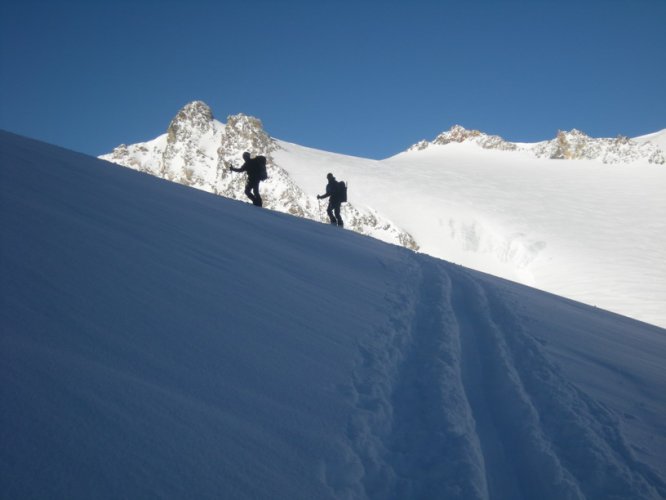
<point>454,399</point>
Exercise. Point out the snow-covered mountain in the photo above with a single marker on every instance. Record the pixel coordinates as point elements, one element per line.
<point>658,139</point>
<point>159,341</point>
<point>197,151</point>
<point>584,229</point>
<point>460,134</point>
<point>573,145</point>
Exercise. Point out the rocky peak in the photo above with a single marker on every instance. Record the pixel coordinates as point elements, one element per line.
<point>419,146</point>
<point>576,145</point>
<point>457,133</point>
<point>245,133</point>
<point>460,134</point>
<point>195,116</point>
<point>570,145</point>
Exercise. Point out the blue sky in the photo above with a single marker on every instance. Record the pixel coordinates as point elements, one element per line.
<point>360,77</point>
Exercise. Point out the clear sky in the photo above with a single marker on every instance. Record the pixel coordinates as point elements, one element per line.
<point>360,77</point>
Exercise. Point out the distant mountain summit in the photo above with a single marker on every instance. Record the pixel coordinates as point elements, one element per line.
<point>197,150</point>
<point>195,116</point>
<point>575,145</point>
<point>460,134</point>
<point>572,145</point>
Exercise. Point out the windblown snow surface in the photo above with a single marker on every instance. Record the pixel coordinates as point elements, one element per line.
<point>159,341</point>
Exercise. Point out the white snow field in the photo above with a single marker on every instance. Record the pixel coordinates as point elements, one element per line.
<point>160,341</point>
<point>582,229</point>
<point>591,227</point>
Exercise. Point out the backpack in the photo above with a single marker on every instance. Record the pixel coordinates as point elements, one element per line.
<point>262,174</point>
<point>341,191</point>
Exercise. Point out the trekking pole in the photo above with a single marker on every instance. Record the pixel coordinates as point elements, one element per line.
<point>319,205</point>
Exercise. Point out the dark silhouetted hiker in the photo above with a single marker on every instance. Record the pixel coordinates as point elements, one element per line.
<point>336,192</point>
<point>256,172</point>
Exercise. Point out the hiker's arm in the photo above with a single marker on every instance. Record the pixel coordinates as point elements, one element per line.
<point>328,193</point>
<point>242,169</point>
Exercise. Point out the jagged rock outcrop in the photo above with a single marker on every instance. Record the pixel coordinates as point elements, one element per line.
<point>197,151</point>
<point>460,134</point>
<point>245,133</point>
<point>193,117</point>
<point>189,129</point>
<point>575,145</point>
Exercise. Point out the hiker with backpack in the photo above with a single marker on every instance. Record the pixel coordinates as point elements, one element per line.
<point>256,172</point>
<point>336,192</point>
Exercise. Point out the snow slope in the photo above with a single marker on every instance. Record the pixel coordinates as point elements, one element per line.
<point>657,138</point>
<point>577,216</point>
<point>579,228</point>
<point>159,341</point>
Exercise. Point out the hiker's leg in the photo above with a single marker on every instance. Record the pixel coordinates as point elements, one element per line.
<point>337,215</point>
<point>248,192</point>
<point>329,211</point>
<point>258,201</point>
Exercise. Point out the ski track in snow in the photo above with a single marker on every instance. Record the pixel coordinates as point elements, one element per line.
<point>455,400</point>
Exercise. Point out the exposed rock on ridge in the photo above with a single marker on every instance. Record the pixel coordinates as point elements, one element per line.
<point>460,134</point>
<point>197,151</point>
<point>195,116</point>
<point>246,133</point>
<point>181,155</point>
<point>573,145</point>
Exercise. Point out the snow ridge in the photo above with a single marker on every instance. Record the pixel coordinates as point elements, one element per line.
<point>572,145</point>
<point>575,145</point>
